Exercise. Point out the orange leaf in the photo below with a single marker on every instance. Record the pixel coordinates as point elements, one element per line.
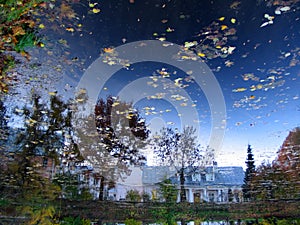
<point>18,31</point>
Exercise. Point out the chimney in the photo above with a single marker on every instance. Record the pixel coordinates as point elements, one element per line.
<point>215,166</point>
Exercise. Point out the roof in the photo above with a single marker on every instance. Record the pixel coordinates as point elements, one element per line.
<point>225,176</point>
<point>156,174</point>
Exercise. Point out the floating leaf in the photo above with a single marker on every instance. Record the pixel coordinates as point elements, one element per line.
<point>229,63</point>
<point>201,54</point>
<point>95,10</point>
<point>169,30</point>
<point>41,26</point>
<point>223,27</point>
<point>92,5</point>
<point>108,50</point>
<point>70,29</point>
<point>52,93</point>
<point>239,89</point>
<point>190,44</point>
<point>285,9</point>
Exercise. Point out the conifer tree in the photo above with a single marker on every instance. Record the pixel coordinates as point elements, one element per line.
<point>249,173</point>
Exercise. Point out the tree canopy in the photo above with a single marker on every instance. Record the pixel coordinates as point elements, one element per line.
<point>280,179</point>
<point>178,150</point>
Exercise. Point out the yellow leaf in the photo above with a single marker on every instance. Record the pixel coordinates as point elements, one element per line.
<point>162,39</point>
<point>232,20</point>
<point>30,23</point>
<point>169,30</point>
<point>52,93</point>
<point>70,29</point>
<point>222,18</point>
<point>223,27</point>
<point>41,26</point>
<point>190,44</point>
<point>92,5</point>
<point>108,50</point>
<point>185,57</point>
<point>201,54</point>
<point>96,10</point>
<point>239,90</point>
<point>259,86</point>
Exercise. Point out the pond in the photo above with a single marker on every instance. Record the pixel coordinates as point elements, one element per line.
<point>149,101</point>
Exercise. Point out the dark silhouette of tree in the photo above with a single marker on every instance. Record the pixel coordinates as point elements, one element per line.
<point>39,147</point>
<point>122,131</point>
<point>178,150</point>
<point>249,173</point>
<point>30,151</point>
<point>111,139</point>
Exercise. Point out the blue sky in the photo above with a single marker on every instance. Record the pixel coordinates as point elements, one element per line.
<point>251,47</point>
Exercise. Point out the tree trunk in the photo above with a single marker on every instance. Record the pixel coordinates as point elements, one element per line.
<point>101,191</point>
<point>182,190</point>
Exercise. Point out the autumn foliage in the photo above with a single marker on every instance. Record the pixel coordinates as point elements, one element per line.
<point>280,179</point>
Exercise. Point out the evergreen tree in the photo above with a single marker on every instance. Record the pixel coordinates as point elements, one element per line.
<point>249,173</point>
<point>39,147</point>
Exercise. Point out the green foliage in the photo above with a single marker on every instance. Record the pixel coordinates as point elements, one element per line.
<point>85,194</point>
<point>168,191</point>
<point>276,221</point>
<point>13,10</point>
<point>146,197</point>
<point>133,222</point>
<point>133,196</point>
<point>165,215</point>
<point>7,62</point>
<point>68,184</point>
<point>17,30</point>
<point>42,215</point>
<point>27,40</point>
<point>75,221</point>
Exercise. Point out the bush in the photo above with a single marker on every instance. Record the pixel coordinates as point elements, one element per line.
<point>133,196</point>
